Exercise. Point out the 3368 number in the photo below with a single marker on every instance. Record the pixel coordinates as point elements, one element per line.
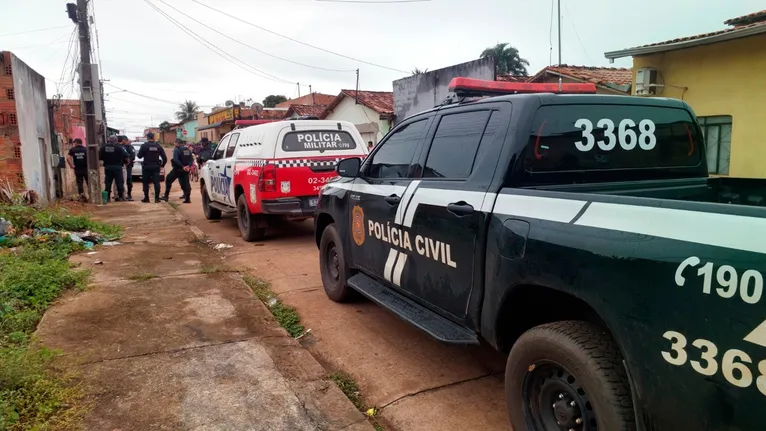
<point>733,365</point>
<point>626,136</point>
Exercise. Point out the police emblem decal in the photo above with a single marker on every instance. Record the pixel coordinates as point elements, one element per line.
<point>357,225</point>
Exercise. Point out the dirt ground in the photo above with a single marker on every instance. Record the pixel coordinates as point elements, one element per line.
<point>416,382</point>
<point>168,337</point>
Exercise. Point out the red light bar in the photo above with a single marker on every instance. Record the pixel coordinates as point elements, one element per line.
<point>471,86</point>
<point>252,122</point>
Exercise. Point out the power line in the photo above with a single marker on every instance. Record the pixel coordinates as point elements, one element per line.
<point>141,95</point>
<point>98,46</point>
<point>296,40</point>
<point>374,1</point>
<point>577,34</point>
<point>53,42</point>
<point>215,49</point>
<point>250,46</point>
<point>34,31</point>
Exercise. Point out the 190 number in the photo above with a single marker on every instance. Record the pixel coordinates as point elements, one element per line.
<point>733,366</point>
<point>626,136</point>
<point>728,281</point>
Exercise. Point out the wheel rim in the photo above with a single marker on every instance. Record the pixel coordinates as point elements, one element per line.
<point>205,203</point>
<point>333,262</point>
<point>243,218</point>
<point>555,401</point>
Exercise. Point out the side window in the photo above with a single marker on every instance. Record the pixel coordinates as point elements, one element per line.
<point>219,150</point>
<point>232,145</point>
<point>717,133</point>
<point>393,158</point>
<point>455,144</point>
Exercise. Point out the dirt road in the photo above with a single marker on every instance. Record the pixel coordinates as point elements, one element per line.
<point>417,383</point>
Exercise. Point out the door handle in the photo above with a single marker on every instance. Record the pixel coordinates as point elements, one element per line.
<point>460,209</point>
<point>228,166</point>
<point>392,200</point>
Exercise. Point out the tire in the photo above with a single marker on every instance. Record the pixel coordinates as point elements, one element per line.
<point>572,358</point>
<point>248,223</point>
<point>210,213</point>
<point>333,267</point>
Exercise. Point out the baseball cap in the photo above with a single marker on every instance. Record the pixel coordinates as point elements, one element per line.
<point>150,135</point>
<point>204,140</point>
<point>179,141</point>
<point>122,138</point>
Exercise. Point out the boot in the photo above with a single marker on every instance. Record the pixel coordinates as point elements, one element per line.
<point>187,200</point>
<point>145,199</point>
<point>120,198</point>
<point>157,199</point>
<point>164,197</point>
<point>129,198</point>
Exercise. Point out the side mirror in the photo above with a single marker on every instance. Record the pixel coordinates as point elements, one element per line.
<point>349,168</point>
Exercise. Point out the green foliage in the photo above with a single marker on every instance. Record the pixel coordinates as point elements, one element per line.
<point>33,272</point>
<point>273,100</point>
<point>187,111</point>
<point>286,316</point>
<point>349,387</point>
<point>508,61</point>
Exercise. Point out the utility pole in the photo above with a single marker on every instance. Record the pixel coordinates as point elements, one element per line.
<point>299,90</point>
<point>312,94</point>
<point>87,96</point>
<point>356,94</point>
<point>559,23</point>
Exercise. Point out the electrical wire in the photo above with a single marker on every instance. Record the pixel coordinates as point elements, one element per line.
<point>34,31</point>
<point>577,34</point>
<point>53,42</point>
<point>296,40</point>
<point>95,30</point>
<point>141,95</point>
<point>374,1</point>
<point>250,46</point>
<point>215,49</point>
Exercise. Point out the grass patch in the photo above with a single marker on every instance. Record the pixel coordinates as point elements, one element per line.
<point>287,316</point>
<point>174,205</point>
<point>142,277</point>
<point>349,388</point>
<point>34,270</point>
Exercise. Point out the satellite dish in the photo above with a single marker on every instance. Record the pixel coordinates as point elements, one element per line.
<point>256,107</point>
<point>229,103</point>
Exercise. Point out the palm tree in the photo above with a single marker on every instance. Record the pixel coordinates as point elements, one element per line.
<point>187,111</point>
<point>507,60</point>
<point>417,71</point>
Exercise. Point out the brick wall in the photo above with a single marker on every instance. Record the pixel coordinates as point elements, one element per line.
<point>66,115</point>
<point>10,145</point>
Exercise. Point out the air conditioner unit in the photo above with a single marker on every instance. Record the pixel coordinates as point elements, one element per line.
<point>646,81</point>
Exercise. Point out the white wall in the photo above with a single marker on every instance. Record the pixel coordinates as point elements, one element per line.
<point>34,129</point>
<point>359,115</point>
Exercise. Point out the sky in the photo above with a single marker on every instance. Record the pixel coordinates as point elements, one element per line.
<point>161,65</point>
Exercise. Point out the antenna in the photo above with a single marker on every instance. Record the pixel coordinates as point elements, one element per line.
<point>559,19</point>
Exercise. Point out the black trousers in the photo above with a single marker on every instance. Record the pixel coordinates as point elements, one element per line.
<point>81,178</point>
<point>113,173</point>
<point>129,178</point>
<point>183,179</point>
<point>151,174</point>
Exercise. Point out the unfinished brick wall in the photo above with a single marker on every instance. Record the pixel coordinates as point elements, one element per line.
<point>10,145</point>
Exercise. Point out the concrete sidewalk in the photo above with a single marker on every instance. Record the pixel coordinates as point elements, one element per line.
<point>167,337</point>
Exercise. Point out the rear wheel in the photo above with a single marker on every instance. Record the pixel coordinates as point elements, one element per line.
<point>210,213</point>
<point>567,376</point>
<point>248,222</point>
<point>332,265</point>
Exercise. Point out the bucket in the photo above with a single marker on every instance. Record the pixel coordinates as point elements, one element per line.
<point>104,196</point>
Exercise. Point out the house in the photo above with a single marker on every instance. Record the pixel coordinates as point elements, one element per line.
<point>187,130</point>
<point>608,80</point>
<point>720,75</point>
<point>219,122</point>
<point>309,99</point>
<point>26,152</point>
<point>372,112</point>
<point>296,111</point>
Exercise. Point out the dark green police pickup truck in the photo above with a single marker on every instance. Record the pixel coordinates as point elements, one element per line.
<point>581,234</point>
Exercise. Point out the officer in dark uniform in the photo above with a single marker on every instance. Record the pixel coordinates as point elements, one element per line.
<point>183,159</point>
<point>154,159</point>
<point>77,158</point>
<point>205,152</point>
<point>113,156</point>
<point>125,142</point>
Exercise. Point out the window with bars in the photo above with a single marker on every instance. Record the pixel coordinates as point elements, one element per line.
<point>8,70</point>
<point>20,178</point>
<point>9,93</point>
<point>17,152</point>
<point>12,119</point>
<point>717,133</point>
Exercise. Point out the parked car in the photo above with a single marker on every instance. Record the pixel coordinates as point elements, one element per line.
<point>136,172</point>
<point>580,234</point>
<point>274,170</point>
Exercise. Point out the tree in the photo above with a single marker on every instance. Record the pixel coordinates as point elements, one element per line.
<point>507,60</point>
<point>273,100</point>
<point>417,71</point>
<point>164,126</point>
<point>187,111</point>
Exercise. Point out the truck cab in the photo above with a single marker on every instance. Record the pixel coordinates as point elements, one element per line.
<point>579,233</point>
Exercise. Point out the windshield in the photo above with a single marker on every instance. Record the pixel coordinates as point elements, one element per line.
<point>612,137</point>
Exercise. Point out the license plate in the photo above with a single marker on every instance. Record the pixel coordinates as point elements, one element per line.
<point>313,202</point>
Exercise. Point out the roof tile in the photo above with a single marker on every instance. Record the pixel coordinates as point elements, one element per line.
<point>596,75</point>
<point>750,18</point>
<point>381,102</point>
<point>306,110</point>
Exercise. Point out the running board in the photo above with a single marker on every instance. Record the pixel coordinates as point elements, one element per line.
<point>433,324</point>
<point>223,208</point>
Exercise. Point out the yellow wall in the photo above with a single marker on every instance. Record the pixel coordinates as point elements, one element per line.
<point>727,78</point>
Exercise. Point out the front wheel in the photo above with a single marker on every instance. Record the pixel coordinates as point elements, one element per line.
<point>567,375</point>
<point>332,266</point>
<point>248,223</point>
<point>210,213</point>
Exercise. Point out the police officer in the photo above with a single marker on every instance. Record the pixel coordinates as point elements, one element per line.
<point>114,156</point>
<point>182,161</point>
<point>205,153</point>
<point>77,159</point>
<point>154,159</point>
<point>125,142</point>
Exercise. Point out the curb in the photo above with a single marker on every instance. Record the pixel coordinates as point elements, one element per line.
<point>180,217</point>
